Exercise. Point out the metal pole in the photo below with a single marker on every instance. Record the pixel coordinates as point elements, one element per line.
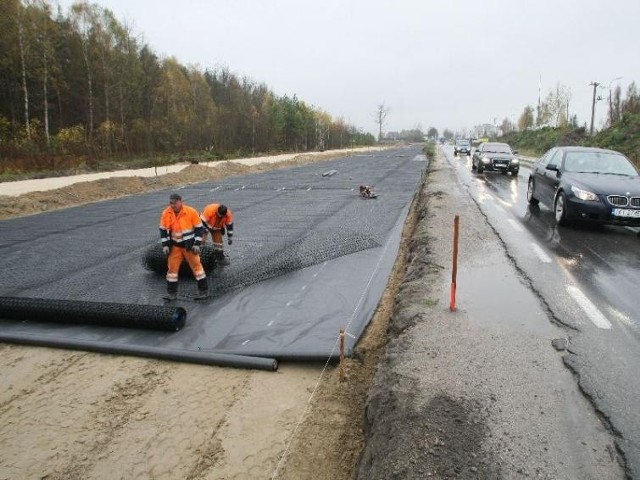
<point>593,106</point>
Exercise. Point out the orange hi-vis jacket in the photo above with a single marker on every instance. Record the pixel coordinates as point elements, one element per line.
<point>183,229</point>
<point>213,222</point>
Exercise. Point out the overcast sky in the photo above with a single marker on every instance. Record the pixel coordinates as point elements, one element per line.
<point>443,63</point>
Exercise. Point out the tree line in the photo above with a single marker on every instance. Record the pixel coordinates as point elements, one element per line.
<point>537,131</point>
<point>84,84</point>
<point>553,111</point>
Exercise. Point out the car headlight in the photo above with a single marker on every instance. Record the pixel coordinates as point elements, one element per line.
<point>485,160</point>
<point>583,194</point>
<point>515,161</point>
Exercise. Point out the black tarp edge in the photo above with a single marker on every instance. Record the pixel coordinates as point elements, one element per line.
<point>202,358</point>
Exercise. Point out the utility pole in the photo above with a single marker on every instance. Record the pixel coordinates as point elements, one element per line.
<point>593,106</point>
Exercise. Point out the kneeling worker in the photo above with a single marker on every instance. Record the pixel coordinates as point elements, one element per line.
<point>218,219</point>
<point>181,232</point>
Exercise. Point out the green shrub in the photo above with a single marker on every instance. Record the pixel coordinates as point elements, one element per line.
<point>71,140</point>
<point>430,150</point>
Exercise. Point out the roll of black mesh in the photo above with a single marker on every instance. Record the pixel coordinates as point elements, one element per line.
<point>150,317</point>
<point>156,261</point>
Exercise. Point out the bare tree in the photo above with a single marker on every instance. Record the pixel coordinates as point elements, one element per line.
<point>615,104</point>
<point>525,122</point>
<point>44,12</point>
<point>84,18</point>
<point>555,106</point>
<point>381,116</point>
<point>507,126</point>
<point>631,104</point>
<point>21,44</point>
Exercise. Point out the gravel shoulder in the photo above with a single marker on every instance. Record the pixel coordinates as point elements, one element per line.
<point>480,392</point>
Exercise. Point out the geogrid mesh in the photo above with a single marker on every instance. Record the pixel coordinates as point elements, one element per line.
<point>285,220</point>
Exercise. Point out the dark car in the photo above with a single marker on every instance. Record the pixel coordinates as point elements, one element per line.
<point>495,157</point>
<point>590,184</point>
<point>462,146</point>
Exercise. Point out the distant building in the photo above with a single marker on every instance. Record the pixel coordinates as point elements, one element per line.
<point>392,136</point>
<point>485,130</point>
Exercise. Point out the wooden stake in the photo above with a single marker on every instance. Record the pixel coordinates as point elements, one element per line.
<point>454,272</point>
<point>342,375</point>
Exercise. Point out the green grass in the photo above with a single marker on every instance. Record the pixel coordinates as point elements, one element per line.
<point>430,150</point>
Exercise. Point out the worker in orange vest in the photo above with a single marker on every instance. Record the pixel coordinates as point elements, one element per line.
<point>218,219</point>
<point>181,232</point>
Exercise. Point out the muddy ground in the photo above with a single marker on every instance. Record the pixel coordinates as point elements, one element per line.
<point>75,415</point>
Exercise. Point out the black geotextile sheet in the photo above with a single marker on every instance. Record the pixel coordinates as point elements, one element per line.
<point>310,256</point>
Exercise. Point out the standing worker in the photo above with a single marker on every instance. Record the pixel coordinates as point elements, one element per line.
<point>218,219</point>
<point>181,232</point>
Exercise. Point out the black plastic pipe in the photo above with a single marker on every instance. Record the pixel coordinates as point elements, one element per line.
<point>202,358</point>
<point>150,317</point>
<point>307,356</point>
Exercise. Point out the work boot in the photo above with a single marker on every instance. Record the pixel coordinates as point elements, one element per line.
<point>221,259</point>
<point>203,289</point>
<point>172,291</point>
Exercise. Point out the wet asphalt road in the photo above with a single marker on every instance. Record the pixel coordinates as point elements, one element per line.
<point>587,277</point>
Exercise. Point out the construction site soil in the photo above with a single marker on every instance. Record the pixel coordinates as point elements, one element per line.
<point>73,415</point>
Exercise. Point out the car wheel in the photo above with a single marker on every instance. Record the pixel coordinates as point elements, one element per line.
<point>560,209</point>
<point>515,173</point>
<point>530,193</point>
<point>480,168</point>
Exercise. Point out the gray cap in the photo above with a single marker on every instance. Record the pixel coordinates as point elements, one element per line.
<point>174,197</point>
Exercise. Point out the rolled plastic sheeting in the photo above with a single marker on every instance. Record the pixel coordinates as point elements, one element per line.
<point>308,356</point>
<point>150,317</point>
<point>201,357</point>
<point>156,261</point>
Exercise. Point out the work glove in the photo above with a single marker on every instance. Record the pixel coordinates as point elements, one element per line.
<point>196,249</point>
<point>230,241</point>
<point>222,231</point>
<point>166,250</point>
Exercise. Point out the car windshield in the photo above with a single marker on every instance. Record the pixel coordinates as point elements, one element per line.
<point>462,142</point>
<point>497,148</point>
<point>598,162</point>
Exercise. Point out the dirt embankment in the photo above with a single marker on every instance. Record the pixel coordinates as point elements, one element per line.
<point>75,415</point>
<point>108,188</point>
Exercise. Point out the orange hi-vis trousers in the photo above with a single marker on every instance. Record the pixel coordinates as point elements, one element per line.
<point>174,261</point>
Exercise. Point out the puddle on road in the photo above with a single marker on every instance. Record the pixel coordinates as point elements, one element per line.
<point>494,296</point>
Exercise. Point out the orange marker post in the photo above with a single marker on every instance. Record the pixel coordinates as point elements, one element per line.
<point>454,272</point>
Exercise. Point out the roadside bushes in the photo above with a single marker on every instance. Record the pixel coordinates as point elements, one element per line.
<point>536,142</point>
<point>623,136</point>
<point>430,150</point>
